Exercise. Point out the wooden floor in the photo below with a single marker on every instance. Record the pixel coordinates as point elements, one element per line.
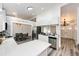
<point>68,48</point>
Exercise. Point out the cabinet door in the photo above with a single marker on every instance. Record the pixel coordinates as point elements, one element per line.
<point>2,21</point>
<point>43,38</point>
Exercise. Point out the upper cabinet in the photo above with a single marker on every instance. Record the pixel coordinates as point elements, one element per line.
<point>2,20</point>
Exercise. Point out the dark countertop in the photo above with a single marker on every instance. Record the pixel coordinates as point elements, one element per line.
<point>8,36</point>
<point>50,35</point>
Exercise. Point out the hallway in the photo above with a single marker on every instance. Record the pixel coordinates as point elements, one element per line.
<point>68,47</point>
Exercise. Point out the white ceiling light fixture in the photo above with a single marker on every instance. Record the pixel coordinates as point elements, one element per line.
<point>42,8</point>
<point>14,13</point>
<point>0,9</point>
<point>29,8</point>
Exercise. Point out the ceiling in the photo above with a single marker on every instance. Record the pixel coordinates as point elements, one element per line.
<point>20,9</point>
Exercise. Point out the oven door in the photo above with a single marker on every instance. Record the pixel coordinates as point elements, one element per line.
<point>52,40</point>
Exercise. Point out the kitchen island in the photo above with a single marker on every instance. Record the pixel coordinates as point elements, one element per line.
<point>32,48</point>
<point>49,39</point>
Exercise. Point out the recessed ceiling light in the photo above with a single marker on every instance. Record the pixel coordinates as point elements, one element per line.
<point>14,13</point>
<point>42,8</point>
<point>29,8</point>
<point>0,9</point>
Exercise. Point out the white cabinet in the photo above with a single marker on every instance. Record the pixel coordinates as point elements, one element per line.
<point>2,20</point>
<point>43,38</point>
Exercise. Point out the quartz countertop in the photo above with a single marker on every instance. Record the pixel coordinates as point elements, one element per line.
<point>31,48</point>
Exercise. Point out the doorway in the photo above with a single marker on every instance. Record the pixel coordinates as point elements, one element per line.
<point>68,29</point>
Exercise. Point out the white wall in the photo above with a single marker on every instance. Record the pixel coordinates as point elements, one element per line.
<point>69,12</point>
<point>11,20</point>
<point>22,28</point>
<point>0,6</point>
<point>48,17</point>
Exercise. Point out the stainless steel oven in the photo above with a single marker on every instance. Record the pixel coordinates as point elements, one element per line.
<point>53,40</point>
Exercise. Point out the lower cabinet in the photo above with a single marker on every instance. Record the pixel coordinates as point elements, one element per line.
<point>52,40</point>
<point>43,38</point>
